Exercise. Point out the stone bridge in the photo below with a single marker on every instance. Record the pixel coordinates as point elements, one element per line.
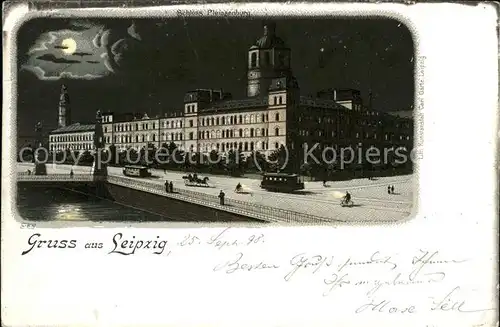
<point>106,184</point>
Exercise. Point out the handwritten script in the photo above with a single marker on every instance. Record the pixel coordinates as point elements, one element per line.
<point>374,282</point>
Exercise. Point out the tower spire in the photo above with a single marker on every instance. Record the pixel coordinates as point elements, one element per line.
<point>64,115</point>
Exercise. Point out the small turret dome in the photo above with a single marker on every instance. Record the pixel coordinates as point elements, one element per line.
<point>269,40</point>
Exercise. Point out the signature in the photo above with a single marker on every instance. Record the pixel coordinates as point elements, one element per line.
<point>452,302</point>
<point>385,306</point>
<point>234,265</point>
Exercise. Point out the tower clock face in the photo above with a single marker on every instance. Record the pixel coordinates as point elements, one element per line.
<point>252,75</point>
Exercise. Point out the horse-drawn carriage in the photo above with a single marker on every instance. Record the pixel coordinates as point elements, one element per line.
<point>195,180</point>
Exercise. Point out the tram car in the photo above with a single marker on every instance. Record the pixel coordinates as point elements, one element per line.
<point>136,171</point>
<point>281,182</point>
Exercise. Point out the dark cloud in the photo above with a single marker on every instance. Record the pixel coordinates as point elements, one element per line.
<point>123,47</point>
<point>60,47</point>
<point>54,59</point>
<point>93,62</point>
<point>81,54</point>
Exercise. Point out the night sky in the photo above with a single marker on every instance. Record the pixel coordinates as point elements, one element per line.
<point>148,65</point>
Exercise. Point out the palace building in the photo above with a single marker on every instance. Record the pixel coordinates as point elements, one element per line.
<point>272,114</point>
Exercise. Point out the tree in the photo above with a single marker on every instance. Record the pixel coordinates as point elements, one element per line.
<point>256,162</point>
<point>234,163</point>
<point>278,159</point>
<point>86,158</point>
<point>215,160</point>
<point>122,157</point>
<point>176,155</point>
<point>133,156</point>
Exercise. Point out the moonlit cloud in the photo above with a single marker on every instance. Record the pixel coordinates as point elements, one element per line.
<point>100,51</point>
<point>47,59</point>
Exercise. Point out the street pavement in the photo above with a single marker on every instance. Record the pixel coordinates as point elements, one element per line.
<point>372,203</point>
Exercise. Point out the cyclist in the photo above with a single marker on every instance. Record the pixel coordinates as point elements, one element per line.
<point>238,187</point>
<point>347,197</point>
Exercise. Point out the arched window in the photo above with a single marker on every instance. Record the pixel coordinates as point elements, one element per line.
<point>280,100</point>
<point>247,132</point>
<point>252,132</point>
<point>263,118</point>
<point>240,132</point>
<point>218,134</point>
<point>275,100</point>
<point>143,138</point>
<point>241,119</point>
<point>277,116</point>
<point>263,132</point>
<point>212,134</point>
<point>217,121</point>
<point>276,145</point>
<point>257,132</point>
<point>253,59</point>
<point>223,133</point>
<point>251,146</point>
<point>247,119</point>
<point>154,137</point>
<point>207,134</point>
<point>213,120</point>
<point>223,120</point>
<point>252,119</point>
<point>180,136</point>
<point>246,146</point>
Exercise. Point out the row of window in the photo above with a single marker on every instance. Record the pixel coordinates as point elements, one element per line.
<point>257,132</point>
<point>127,127</point>
<point>71,146</point>
<point>201,135</point>
<point>387,136</point>
<point>71,138</point>
<point>209,121</point>
<point>241,146</point>
<point>237,119</point>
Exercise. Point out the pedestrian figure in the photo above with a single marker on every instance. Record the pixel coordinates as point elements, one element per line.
<point>29,172</point>
<point>171,186</point>
<point>392,189</point>
<point>71,173</point>
<point>388,189</point>
<point>166,187</point>
<point>165,171</point>
<point>221,197</point>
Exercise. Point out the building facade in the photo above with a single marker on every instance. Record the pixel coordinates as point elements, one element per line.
<point>273,114</point>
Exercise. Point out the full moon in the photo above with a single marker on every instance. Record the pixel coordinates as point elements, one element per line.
<point>69,46</point>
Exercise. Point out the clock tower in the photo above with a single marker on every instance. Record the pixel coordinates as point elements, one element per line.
<point>268,58</point>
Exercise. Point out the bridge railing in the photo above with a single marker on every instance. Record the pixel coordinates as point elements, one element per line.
<point>242,207</point>
<point>236,206</point>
